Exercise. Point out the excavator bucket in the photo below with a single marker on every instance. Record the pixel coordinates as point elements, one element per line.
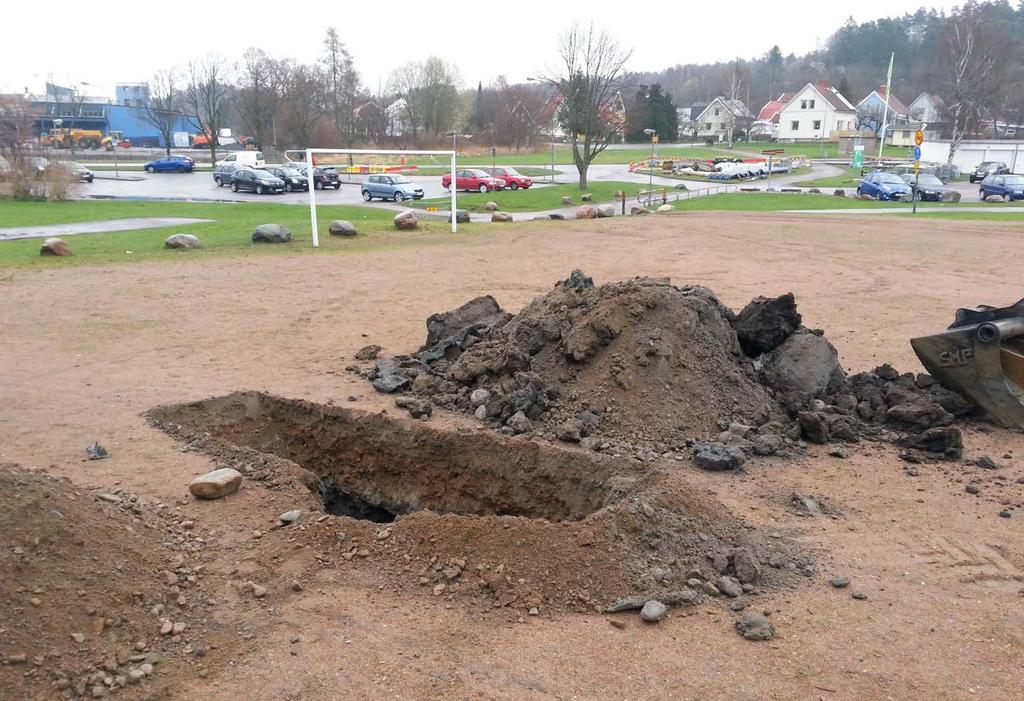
<point>981,356</point>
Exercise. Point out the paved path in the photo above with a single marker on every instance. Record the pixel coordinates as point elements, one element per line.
<point>95,227</point>
<point>995,208</point>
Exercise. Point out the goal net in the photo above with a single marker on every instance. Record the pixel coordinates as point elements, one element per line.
<point>365,162</point>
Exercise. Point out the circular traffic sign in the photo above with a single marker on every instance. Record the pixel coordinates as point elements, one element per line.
<point>918,137</point>
<point>917,153</point>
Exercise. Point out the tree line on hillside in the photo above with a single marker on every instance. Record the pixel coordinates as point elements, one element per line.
<point>972,58</point>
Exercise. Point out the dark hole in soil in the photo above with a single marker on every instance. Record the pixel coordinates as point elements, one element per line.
<point>374,467</point>
<point>339,502</point>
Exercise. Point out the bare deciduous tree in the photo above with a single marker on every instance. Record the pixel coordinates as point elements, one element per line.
<point>342,91</point>
<point>971,61</point>
<point>303,103</point>
<point>206,95</point>
<point>589,77</point>
<point>163,111</point>
<point>259,92</point>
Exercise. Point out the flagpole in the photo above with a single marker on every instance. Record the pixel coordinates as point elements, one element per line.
<point>885,111</point>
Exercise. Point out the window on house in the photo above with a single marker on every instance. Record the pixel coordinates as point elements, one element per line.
<point>906,134</point>
<point>803,104</point>
<point>794,125</point>
<point>721,125</point>
<point>717,111</point>
<point>707,126</point>
<point>811,104</point>
<point>817,124</point>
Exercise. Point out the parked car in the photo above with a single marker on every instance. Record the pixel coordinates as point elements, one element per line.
<point>929,187</point>
<point>513,180</point>
<point>884,186</point>
<point>80,173</point>
<point>987,168</point>
<point>323,176</point>
<point>253,159</point>
<point>473,180</point>
<point>391,187</point>
<point>1009,187</point>
<point>293,179</point>
<point>170,164</point>
<point>222,173</point>
<point>255,180</point>
<point>37,164</point>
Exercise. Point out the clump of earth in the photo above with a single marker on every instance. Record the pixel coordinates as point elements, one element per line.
<point>647,368</point>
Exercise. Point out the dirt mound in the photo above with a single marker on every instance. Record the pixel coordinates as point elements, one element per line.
<point>85,589</point>
<point>645,368</point>
<point>638,360</point>
<point>491,520</point>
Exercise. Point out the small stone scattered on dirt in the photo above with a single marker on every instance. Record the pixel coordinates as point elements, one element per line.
<point>859,595</point>
<point>840,581</point>
<point>653,611</point>
<point>368,352</point>
<point>216,484</point>
<point>755,627</point>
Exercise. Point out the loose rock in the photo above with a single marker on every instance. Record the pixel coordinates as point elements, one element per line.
<point>653,611</point>
<point>216,484</point>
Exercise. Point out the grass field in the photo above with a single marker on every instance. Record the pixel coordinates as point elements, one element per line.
<point>534,199</point>
<point>563,156</point>
<point>849,178</point>
<point>229,234</point>
<point>775,202</point>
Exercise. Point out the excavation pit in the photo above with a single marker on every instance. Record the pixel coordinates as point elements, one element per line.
<point>372,467</point>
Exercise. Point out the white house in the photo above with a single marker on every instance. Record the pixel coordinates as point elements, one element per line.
<point>721,117</point>
<point>766,126</point>
<point>878,106</point>
<point>927,108</point>
<point>818,111</point>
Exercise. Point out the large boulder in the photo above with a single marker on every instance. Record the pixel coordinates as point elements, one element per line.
<point>951,196</point>
<point>666,208</point>
<point>461,217</point>
<point>586,211</point>
<point>587,197</point>
<point>342,227</point>
<point>716,457</point>
<point>444,324</point>
<point>55,247</point>
<point>766,322</point>
<point>994,198</point>
<point>491,206</point>
<point>839,193</point>
<point>407,220</point>
<point>182,241</point>
<point>605,210</point>
<point>501,217</point>
<point>638,211</point>
<point>216,484</point>
<point>806,362</point>
<point>566,201</point>
<point>271,233</point>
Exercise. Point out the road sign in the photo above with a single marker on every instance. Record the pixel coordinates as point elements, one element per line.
<point>918,137</point>
<point>773,151</point>
<point>858,156</point>
<point>654,139</point>
<point>917,153</point>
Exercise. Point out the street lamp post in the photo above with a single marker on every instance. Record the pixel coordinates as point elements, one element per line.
<point>653,133</point>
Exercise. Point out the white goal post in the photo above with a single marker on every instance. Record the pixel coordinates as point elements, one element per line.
<point>311,152</point>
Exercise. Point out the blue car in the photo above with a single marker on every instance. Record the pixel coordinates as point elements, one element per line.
<point>171,164</point>
<point>391,187</point>
<point>1009,187</point>
<point>884,186</point>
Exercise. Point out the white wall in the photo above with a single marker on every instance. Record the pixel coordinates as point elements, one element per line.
<point>822,111</point>
<point>971,153</point>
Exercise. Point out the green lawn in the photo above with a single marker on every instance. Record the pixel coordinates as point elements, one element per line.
<point>563,156</point>
<point>535,199</point>
<point>849,178</point>
<point>774,202</point>
<point>229,234</point>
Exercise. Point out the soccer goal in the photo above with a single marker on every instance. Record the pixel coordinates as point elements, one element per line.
<point>311,159</point>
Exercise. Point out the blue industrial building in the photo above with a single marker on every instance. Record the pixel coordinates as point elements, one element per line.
<point>126,116</point>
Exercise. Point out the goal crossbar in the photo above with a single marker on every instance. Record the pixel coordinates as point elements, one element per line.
<point>311,152</point>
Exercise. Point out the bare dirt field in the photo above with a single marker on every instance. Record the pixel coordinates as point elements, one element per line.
<point>86,351</point>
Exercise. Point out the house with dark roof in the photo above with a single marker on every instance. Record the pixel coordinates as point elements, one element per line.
<point>816,112</point>
<point>721,118</point>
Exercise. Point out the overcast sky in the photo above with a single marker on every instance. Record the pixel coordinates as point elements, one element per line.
<point>127,41</point>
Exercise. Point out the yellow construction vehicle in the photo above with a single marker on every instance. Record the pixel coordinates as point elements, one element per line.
<point>114,139</point>
<point>66,138</point>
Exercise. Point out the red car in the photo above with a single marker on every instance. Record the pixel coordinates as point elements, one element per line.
<point>472,180</point>
<point>513,180</point>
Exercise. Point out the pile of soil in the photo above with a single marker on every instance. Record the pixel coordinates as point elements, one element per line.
<point>85,589</point>
<point>645,368</point>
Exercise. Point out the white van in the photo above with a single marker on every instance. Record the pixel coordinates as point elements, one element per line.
<point>249,159</point>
